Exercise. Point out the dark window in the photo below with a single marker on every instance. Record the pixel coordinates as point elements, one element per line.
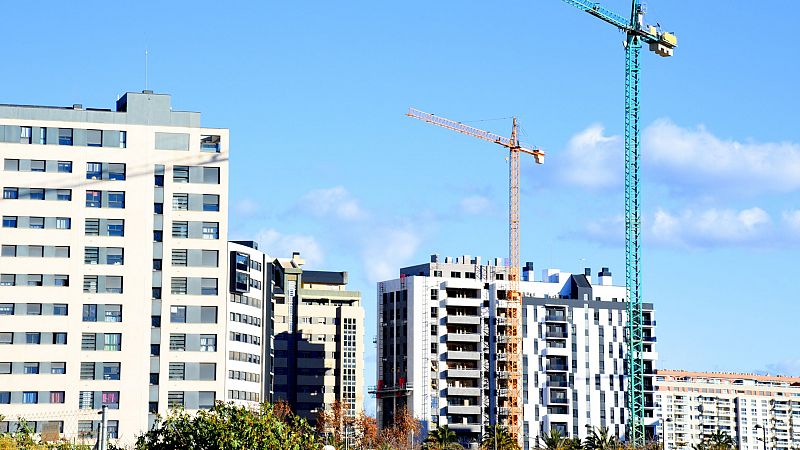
<point>94,138</point>
<point>93,199</point>
<point>10,193</point>
<point>65,136</point>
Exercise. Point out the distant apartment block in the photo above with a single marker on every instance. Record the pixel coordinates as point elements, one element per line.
<point>439,354</point>
<point>319,339</point>
<point>747,407</point>
<point>113,267</point>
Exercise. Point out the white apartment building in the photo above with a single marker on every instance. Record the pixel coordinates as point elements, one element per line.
<point>438,351</point>
<point>319,339</point>
<point>113,266</point>
<point>747,407</point>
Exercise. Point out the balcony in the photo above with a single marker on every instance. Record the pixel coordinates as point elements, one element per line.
<point>464,391</point>
<point>462,320</point>
<point>649,339</point>
<point>463,373</point>
<point>471,356</point>
<point>465,426</point>
<point>649,323</point>
<point>463,409</point>
<point>463,337</point>
<point>557,368</point>
<point>555,318</point>
<point>556,335</point>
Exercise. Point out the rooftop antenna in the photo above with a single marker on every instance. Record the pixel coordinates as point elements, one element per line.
<point>145,68</point>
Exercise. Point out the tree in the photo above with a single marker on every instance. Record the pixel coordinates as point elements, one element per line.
<point>575,443</point>
<point>497,437</point>
<point>366,431</point>
<point>552,441</point>
<point>601,439</point>
<point>718,440</point>
<point>334,424</point>
<point>229,427</point>
<point>442,438</point>
<point>400,434</point>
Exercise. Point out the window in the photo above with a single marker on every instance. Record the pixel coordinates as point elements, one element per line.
<point>36,251</point>
<point>177,314</point>
<point>5,368</point>
<point>60,309</point>
<point>210,202</point>
<point>116,199</point>
<point>208,286</point>
<point>156,293</point>
<point>30,368</point>
<point>34,280</point>
<point>9,221</point>
<point>177,371</point>
<point>116,171</point>
<point>63,223</point>
<point>159,180</point>
<point>43,136</point>
<point>123,139</point>
<point>90,284</point>
<point>36,223</point>
<point>180,229</point>
<point>30,397</point>
<point>64,195</point>
<point>93,199</point>
<point>65,166</point>
<point>155,321</point>
<point>57,397</point>
<point>208,314</point>
<point>211,175</point>
<point>178,285</point>
<point>116,227</point>
<point>179,257</point>
<point>154,381</point>
<point>175,399</point>
<point>180,202</point>
<point>8,250</point>
<point>114,285</point>
<point>24,135</point>
<point>208,342</point>
<point>94,138</point>
<point>210,230</point>
<point>155,349</point>
<point>58,368</point>
<point>180,174</point>
<point>115,256</point>
<point>10,193</point>
<point>33,338</point>
<point>90,313</point>
<point>158,235</point>
<point>210,258</point>
<point>91,255</point>
<point>112,342</point>
<point>111,371</point>
<point>37,165</point>
<point>177,342</point>
<point>5,397</point>
<point>59,338</point>
<point>61,251</point>
<point>209,143</point>
<point>86,401</point>
<point>8,279</point>
<point>36,194</point>
<point>61,280</point>
<point>11,165</point>
<point>92,227</point>
<point>113,429</point>
<point>34,309</point>
<point>113,313</point>
<point>6,338</point>
<point>6,309</point>
<point>158,208</point>
<point>94,170</point>
<point>65,136</point>
<point>111,399</point>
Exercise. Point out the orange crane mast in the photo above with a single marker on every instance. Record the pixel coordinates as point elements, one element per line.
<point>512,347</point>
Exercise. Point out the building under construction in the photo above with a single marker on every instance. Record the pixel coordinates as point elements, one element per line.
<point>441,335</point>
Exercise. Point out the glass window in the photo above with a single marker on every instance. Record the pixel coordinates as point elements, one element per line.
<point>180,229</point>
<point>159,180</point>
<point>157,264</point>
<point>113,313</point>
<point>116,227</point>
<point>123,139</point>
<point>6,309</point>
<point>8,279</point>
<point>158,208</point>
<point>57,397</point>
<point>30,397</point>
<point>37,165</point>
<point>61,280</point>
<point>90,313</point>
<point>116,199</point>
<point>58,368</point>
<point>91,255</point>
<point>35,251</point>
<point>208,286</point>
<point>86,401</point>
<point>94,171</point>
<point>158,235</point>
<point>209,143</point>
<point>10,193</point>
<point>116,171</point>
<point>210,230</point>
<point>36,194</point>
<point>93,199</point>
<point>11,165</point>
<point>9,250</point>
<point>94,138</point>
<point>30,368</point>
<point>64,195</point>
<point>60,338</point>
<point>211,175</point>
<point>210,202</point>
<point>24,135</point>
<point>9,222</point>
<point>63,223</point>
<point>36,223</point>
<point>180,174</point>
<point>178,285</point>
<point>34,309</point>
<point>34,280</point>
<point>115,255</point>
<point>5,368</point>
<point>6,337</point>
<point>111,399</point>
<point>65,166</point>
<point>112,342</point>
<point>60,309</point>
<point>5,397</point>
<point>111,371</point>
<point>177,314</point>
<point>180,202</point>
<point>114,285</point>
<point>62,251</point>
<point>33,338</point>
<point>208,342</point>
<point>42,136</point>
<point>65,136</point>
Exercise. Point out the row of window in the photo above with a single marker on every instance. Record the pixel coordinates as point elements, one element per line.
<point>111,342</point>
<point>94,170</point>
<point>32,397</point>
<point>32,338</point>
<point>246,338</point>
<point>244,376</point>
<point>177,342</point>
<point>94,138</point>
<point>32,368</point>
<point>86,399</point>
<point>208,314</point>
<point>37,223</point>
<point>16,193</point>
<point>12,279</point>
<point>39,251</point>
<point>33,309</point>
<point>246,319</point>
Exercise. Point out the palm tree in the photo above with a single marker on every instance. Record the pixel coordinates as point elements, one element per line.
<point>552,441</point>
<point>601,439</point>
<point>442,438</point>
<point>575,443</point>
<point>719,440</point>
<point>497,437</point>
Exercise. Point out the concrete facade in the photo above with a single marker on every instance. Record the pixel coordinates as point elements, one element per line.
<point>113,264</point>
<point>747,407</point>
<point>319,339</point>
<point>438,349</point>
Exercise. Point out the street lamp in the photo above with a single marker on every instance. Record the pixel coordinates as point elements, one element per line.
<point>764,431</point>
<point>664,423</point>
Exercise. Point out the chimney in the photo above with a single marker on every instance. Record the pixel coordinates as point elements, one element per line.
<point>604,277</point>
<point>435,258</point>
<point>527,272</point>
<point>588,273</point>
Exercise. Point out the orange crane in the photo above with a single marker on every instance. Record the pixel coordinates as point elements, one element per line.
<point>512,348</point>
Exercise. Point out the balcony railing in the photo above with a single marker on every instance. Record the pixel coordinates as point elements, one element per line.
<point>555,318</point>
<point>556,334</point>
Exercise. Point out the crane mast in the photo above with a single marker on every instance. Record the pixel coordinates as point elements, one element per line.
<point>512,347</point>
<point>661,43</point>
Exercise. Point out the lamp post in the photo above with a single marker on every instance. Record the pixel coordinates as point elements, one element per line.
<point>664,423</point>
<point>764,431</point>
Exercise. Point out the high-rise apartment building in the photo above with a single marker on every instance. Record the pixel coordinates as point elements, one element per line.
<point>439,354</point>
<point>746,407</point>
<point>113,266</point>
<point>319,339</point>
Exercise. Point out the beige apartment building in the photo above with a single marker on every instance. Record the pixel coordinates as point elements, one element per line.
<point>319,339</point>
<point>113,266</point>
<point>758,412</point>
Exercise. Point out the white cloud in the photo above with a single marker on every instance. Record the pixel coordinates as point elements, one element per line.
<point>475,204</point>
<point>592,159</point>
<point>246,207</point>
<point>791,220</point>
<point>385,250</point>
<point>336,202</point>
<point>787,367</point>
<point>280,245</point>
<point>697,158</point>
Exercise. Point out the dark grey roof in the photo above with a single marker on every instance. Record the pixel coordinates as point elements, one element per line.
<point>323,277</point>
<point>581,281</point>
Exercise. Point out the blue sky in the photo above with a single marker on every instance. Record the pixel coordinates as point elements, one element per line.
<point>324,161</point>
